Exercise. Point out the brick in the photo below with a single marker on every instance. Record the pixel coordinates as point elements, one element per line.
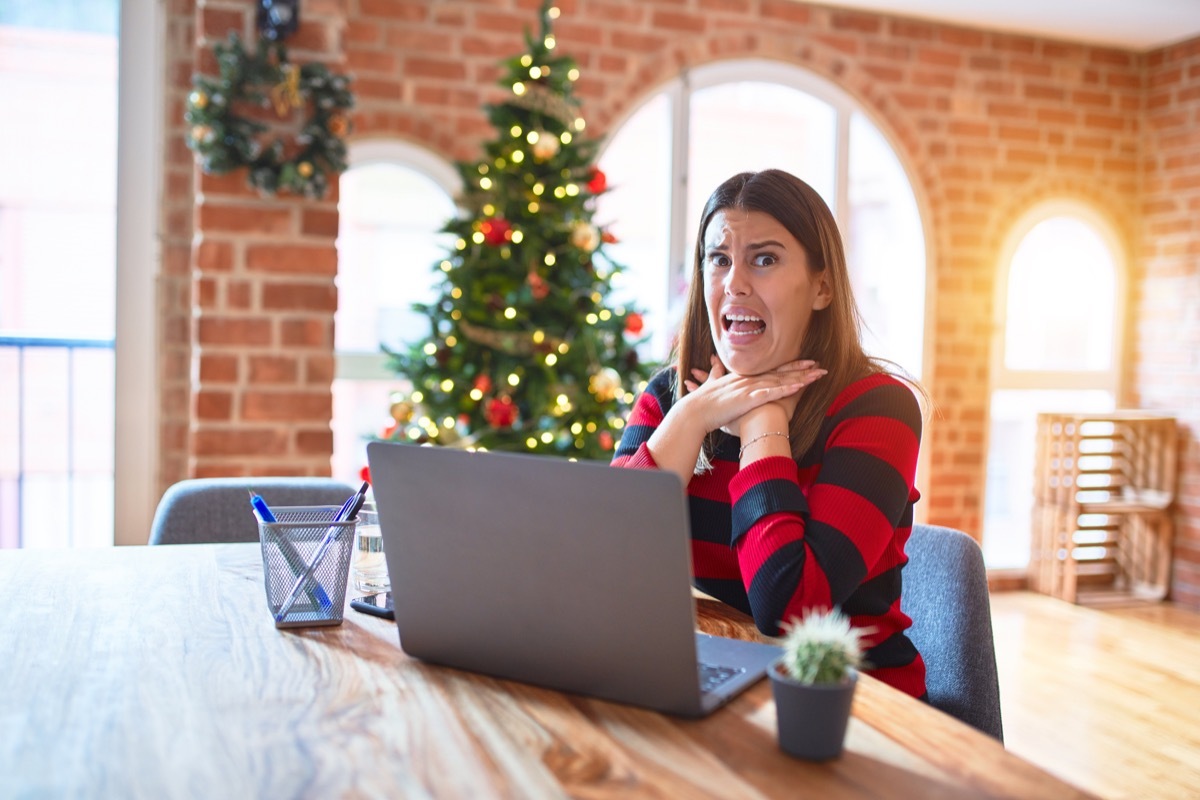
<point>319,368</point>
<point>218,22</point>
<point>297,259</point>
<point>637,42</point>
<point>362,32</point>
<point>1094,99</point>
<point>319,222</point>
<point>239,295</point>
<point>1013,133</point>
<point>785,10</point>
<point>359,60</point>
<point>293,406</point>
<point>214,256</point>
<point>678,21</point>
<point>226,441</point>
<point>263,369</point>
<point>427,67</point>
<point>233,331</point>
<point>884,73</point>
<point>307,332</point>
<point>855,22</point>
<point>299,297</point>
<point>315,442</point>
<point>213,404</point>
<point>243,219</point>
<point>401,10</point>
<point>939,57</point>
<point>215,368</point>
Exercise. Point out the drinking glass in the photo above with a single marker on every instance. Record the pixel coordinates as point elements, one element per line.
<point>369,567</point>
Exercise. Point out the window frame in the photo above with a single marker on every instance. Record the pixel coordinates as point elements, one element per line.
<point>140,91</point>
<point>1006,378</point>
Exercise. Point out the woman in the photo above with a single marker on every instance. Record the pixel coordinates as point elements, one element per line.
<point>798,451</point>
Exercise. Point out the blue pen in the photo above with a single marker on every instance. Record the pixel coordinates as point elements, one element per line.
<point>349,510</point>
<point>294,559</point>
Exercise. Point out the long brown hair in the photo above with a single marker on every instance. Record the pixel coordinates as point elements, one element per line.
<point>833,338</point>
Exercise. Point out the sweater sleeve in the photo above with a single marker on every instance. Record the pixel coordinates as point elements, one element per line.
<point>797,552</point>
<point>648,412</point>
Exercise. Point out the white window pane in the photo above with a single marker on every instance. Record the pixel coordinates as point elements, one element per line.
<point>751,126</point>
<point>637,210</point>
<point>1061,299</point>
<point>885,249</point>
<point>388,246</point>
<point>1008,508</point>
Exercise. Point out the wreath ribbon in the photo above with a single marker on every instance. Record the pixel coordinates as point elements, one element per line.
<point>286,94</point>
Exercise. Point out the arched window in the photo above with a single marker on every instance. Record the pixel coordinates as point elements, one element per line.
<point>1056,348</point>
<point>393,201</point>
<point>723,118</point>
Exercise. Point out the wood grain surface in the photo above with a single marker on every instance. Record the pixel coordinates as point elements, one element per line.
<point>158,672</point>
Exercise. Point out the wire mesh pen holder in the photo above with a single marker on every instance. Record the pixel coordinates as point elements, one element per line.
<point>289,546</point>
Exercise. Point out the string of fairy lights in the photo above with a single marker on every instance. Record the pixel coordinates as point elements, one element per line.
<point>524,351</point>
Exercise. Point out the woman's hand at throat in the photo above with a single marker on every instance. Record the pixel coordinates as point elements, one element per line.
<point>723,400</point>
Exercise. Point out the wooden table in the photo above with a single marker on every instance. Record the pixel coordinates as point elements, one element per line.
<point>157,672</point>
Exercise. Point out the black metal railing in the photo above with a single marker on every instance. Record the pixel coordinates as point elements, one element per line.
<point>22,361</point>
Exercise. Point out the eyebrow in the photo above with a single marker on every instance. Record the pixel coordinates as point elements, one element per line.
<point>751,246</point>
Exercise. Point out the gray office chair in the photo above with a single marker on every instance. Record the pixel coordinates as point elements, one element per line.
<point>945,593</point>
<point>218,509</point>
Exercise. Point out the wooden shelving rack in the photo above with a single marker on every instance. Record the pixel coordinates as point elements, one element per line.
<point>1103,493</point>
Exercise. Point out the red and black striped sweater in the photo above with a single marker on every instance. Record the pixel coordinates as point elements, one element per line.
<point>781,536</point>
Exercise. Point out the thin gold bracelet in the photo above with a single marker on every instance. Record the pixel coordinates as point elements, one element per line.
<point>742,449</point>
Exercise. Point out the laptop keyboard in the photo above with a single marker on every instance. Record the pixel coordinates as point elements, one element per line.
<point>712,676</point>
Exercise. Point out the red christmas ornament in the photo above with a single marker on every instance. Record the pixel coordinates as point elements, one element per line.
<point>496,230</point>
<point>365,474</point>
<point>598,182</point>
<point>501,412</point>
<point>606,440</point>
<point>634,324</point>
<point>483,383</point>
<point>537,286</point>
<point>608,238</point>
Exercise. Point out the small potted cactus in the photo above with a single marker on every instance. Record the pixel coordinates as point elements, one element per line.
<point>813,683</point>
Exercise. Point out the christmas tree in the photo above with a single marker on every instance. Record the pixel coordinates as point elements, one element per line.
<point>525,352</point>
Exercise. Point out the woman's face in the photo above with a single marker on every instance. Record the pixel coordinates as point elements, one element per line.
<point>760,292</point>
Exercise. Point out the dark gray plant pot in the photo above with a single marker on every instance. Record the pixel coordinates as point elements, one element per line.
<point>811,719</point>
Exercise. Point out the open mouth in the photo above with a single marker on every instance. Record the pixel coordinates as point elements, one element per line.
<point>744,324</point>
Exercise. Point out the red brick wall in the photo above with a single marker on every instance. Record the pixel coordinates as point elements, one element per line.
<point>1167,314</point>
<point>175,271</point>
<point>987,124</point>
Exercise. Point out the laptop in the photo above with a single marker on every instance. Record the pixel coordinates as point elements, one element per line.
<point>569,575</point>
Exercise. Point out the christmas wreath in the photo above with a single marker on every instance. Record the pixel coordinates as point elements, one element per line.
<point>226,140</point>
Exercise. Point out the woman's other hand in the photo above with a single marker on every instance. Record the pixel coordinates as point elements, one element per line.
<point>722,399</point>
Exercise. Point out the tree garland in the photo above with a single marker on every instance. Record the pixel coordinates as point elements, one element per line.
<point>226,141</point>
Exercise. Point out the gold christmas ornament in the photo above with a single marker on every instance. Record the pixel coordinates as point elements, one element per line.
<point>585,236</point>
<point>305,169</point>
<point>605,385</point>
<point>339,125</point>
<point>198,99</point>
<point>546,147</point>
<point>201,133</point>
<point>402,411</point>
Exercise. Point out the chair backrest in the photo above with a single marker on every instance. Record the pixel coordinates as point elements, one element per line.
<point>218,509</point>
<point>945,592</point>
